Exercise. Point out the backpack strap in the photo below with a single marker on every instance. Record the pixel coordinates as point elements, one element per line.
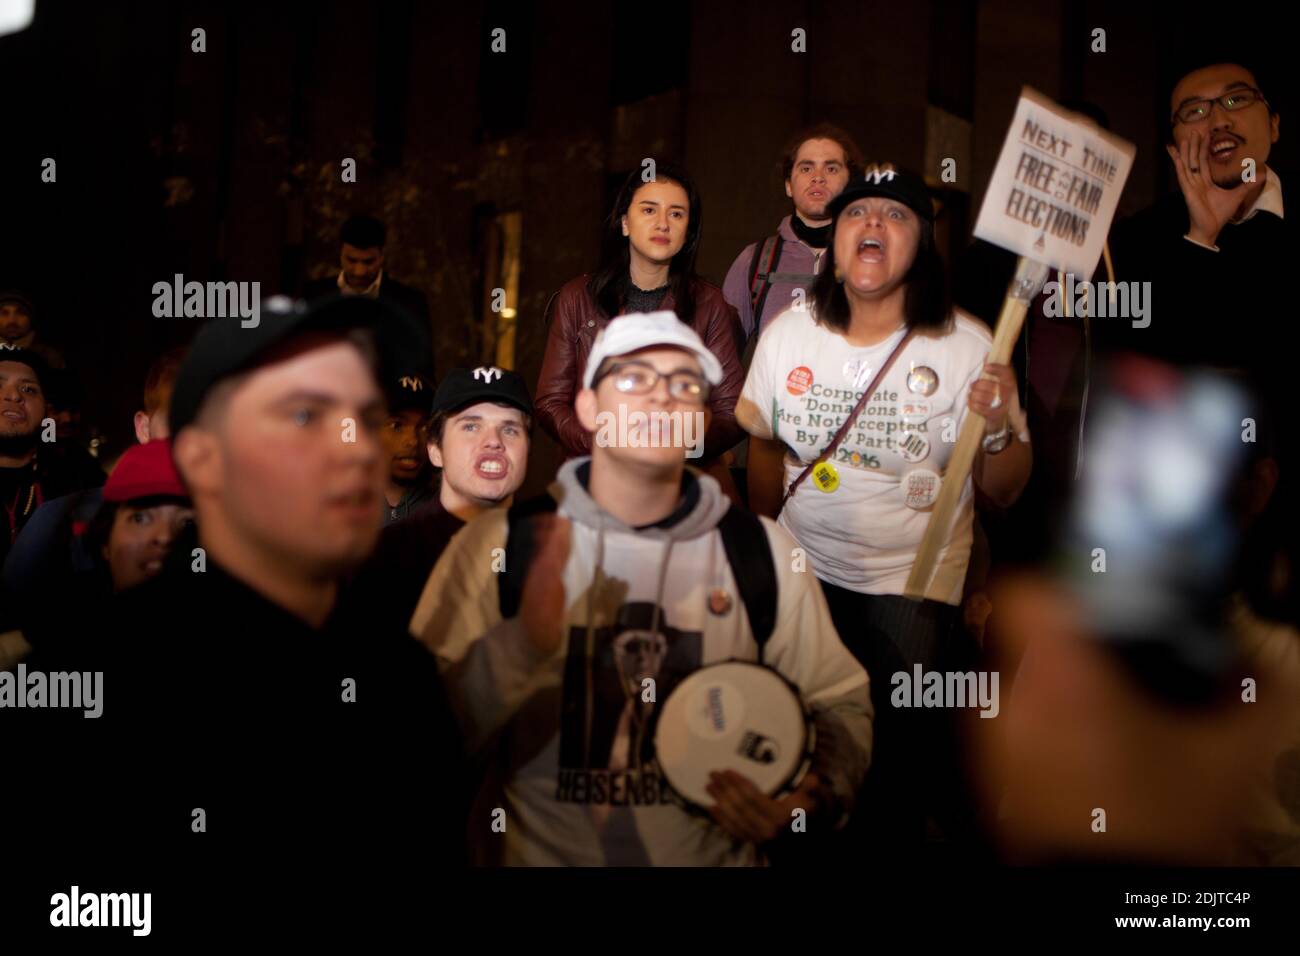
<point>750,555</point>
<point>766,256</point>
<point>521,542</point>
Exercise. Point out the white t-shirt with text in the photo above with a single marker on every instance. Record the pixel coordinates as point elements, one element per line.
<point>856,523</point>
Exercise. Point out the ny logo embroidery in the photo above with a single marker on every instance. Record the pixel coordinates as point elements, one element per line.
<point>486,375</point>
<point>879,174</point>
<point>411,382</point>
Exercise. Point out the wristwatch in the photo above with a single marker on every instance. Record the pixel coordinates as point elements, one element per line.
<point>998,441</point>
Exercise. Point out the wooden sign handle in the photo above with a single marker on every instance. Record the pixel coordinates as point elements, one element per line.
<point>1029,278</point>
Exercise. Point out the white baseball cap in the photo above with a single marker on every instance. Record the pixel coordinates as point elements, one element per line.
<point>643,330</point>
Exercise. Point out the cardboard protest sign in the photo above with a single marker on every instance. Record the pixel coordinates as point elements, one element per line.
<point>1055,187</point>
<point>1051,200</point>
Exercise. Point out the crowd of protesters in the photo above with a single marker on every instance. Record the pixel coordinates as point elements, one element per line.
<point>323,619</point>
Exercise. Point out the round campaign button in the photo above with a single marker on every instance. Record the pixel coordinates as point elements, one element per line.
<point>922,380</point>
<point>913,446</point>
<point>719,601</point>
<point>920,488</point>
<point>914,411</point>
<point>799,380</point>
<point>825,476</point>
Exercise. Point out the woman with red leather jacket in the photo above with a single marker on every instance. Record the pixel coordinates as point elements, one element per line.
<point>647,265</point>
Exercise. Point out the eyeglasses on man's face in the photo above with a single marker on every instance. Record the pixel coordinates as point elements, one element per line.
<point>1195,111</point>
<point>640,378</point>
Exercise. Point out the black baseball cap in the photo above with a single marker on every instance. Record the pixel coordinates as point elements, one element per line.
<point>410,391</point>
<point>225,347</point>
<point>465,386</point>
<point>885,179</point>
<point>33,360</point>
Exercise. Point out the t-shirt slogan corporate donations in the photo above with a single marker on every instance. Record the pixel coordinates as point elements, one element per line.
<point>861,519</point>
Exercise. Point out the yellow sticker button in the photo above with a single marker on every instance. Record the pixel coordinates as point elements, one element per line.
<point>825,476</point>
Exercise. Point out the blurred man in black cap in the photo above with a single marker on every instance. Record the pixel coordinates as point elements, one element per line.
<point>361,260</point>
<point>29,474</point>
<point>258,710</point>
<point>479,436</point>
<point>405,435</point>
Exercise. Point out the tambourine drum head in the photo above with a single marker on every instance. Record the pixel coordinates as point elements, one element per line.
<point>731,716</point>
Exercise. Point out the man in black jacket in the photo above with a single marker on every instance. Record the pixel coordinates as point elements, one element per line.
<point>1217,252</point>
<point>361,272</point>
<point>270,729</point>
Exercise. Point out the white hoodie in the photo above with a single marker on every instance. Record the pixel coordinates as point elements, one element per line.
<point>560,730</point>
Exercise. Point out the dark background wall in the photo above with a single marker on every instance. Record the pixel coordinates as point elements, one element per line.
<point>226,164</point>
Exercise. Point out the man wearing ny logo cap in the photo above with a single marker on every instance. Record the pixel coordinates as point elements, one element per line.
<point>477,440</point>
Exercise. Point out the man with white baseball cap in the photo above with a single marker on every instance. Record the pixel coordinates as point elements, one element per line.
<point>631,549</point>
<point>631,333</point>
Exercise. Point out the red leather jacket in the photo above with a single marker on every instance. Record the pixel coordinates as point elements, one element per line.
<point>574,319</point>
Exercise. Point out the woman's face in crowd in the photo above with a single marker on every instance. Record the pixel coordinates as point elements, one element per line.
<point>139,541</point>
<point>655,224</point>
<point>875,245</point>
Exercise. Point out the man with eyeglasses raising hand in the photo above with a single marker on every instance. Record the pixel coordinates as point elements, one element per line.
<point>1221,126</point>
<point>564,625</point>
<point>1217,258</point>
<point>1216,253</point>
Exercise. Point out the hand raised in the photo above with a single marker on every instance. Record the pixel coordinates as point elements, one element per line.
<point>1209,206</point>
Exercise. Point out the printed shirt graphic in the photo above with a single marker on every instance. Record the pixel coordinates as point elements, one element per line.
<point>618,732</point>
<point>607,725</point>
<point>602,761</point>
<point>855,521</point>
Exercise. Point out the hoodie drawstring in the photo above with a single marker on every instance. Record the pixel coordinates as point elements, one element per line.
<point>589,710</point>
<point>654,629</point>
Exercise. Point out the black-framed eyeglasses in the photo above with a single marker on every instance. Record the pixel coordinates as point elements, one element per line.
<point>640,378</point>
<point>1195,111</point>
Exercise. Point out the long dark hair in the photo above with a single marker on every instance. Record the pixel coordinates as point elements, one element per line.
<point>926,303</point>
<point>612,280</point>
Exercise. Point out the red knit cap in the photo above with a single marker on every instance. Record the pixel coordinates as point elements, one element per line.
<point>145,471</point>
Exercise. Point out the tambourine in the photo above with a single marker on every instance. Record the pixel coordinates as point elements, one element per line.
<point>734,715</point>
